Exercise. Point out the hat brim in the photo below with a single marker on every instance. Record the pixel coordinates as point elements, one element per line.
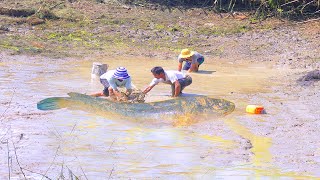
<point>187,55</point>
<point>121,77</point>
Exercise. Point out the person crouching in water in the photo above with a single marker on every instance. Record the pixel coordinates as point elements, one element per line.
<point>113,79</point>
<point>176,79</point>
<point>192,59</point>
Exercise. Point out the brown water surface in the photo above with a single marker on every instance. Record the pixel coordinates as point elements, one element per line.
<point>97,147</point>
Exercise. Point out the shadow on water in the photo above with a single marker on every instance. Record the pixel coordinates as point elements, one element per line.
<point>205,72</point>
<point>190,95</point>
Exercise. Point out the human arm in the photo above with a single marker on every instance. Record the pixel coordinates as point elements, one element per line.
<point>128,86</point>
<point>180,61</point>
<point>154,82</point>
<point>114,91</point>
<point>147,89</point>
<point>128,92</point>
<point>194,64</point>
<point>179,66</point>
<point>112,83</point>
<point>193,68</point>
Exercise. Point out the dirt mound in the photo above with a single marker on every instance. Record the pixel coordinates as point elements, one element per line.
<point>309,78</point>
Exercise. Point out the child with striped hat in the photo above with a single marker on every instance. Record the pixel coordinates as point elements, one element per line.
<point>113,79</point>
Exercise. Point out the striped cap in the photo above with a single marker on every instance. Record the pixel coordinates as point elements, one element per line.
<point>121,73</point>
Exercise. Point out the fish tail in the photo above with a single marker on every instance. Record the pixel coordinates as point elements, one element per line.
<point>52,103</point>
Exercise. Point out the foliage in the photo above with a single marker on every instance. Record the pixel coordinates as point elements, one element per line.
<point>262,8</point>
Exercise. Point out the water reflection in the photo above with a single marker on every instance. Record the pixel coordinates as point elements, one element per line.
<point>260,145</point>
<point>140,152</point>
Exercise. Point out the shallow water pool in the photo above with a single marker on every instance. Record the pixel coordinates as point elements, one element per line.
<point>93,145</point>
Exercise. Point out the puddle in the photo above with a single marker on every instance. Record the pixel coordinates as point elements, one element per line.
<point>97,147</point>
<point>259,145</point>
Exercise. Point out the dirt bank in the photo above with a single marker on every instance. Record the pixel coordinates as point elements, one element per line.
<point>86,27</point>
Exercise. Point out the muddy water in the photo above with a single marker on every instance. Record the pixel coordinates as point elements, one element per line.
<point>214,79</point>
<point>94,146</point>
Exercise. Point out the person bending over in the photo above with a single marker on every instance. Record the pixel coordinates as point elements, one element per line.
<point>176,79</point>
<point>113,79</point>
<point>192,59</point>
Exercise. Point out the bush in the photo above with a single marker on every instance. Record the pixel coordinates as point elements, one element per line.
<point>262,8</point>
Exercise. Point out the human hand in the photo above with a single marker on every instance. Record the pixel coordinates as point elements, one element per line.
<point>122,97</point>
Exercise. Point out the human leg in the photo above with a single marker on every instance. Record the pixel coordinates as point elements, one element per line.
<point>98,94</point>
<point>112,94</point>
<point>106,85</point>
<point>105,91</point>
<point>172,89</point>
<point>200,61</point>
<point>184,82</point>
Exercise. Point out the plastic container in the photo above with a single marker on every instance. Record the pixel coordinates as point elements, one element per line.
<point>254,109</point>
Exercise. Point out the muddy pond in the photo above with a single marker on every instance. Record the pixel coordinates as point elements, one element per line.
<point>95,145</point>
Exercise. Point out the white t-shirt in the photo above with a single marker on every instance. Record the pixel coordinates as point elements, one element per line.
<point>114,83</point>
<point>171,77</point>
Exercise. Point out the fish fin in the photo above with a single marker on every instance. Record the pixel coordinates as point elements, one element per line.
<point>73,94</point>
<point>52,103</point>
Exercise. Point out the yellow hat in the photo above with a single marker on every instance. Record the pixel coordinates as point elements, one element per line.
<point>185,53</point>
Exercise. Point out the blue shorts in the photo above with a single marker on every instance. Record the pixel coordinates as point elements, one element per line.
<point>187,65</point>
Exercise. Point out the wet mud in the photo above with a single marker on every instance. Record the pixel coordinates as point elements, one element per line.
<point>282,143</point>
<point>246,62</point>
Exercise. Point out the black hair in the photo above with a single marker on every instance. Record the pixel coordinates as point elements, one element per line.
<point>157,70</point>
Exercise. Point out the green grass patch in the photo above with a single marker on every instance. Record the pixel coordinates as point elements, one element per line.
<point>8,46</point>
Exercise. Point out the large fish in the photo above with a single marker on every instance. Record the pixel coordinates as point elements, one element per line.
<point>194,105</point>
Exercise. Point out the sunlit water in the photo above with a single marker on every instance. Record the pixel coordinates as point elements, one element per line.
<point>98,147</point>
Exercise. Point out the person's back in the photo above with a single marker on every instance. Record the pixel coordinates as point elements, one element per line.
<point>170,76</point>
<point>107,74</point>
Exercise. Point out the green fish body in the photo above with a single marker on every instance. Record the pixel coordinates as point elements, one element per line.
<point>173,107</point>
